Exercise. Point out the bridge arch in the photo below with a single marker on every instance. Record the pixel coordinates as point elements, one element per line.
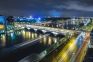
<point>32,30</point>
<point>50,33</point>
<point>60,35</point>
<point>39,31</point>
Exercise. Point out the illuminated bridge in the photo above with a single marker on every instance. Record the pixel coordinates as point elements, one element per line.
<point>64,31</point>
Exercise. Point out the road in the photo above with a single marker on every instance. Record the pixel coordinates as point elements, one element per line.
<point>73,51</point>
<point>64,31</point>
<point>64,53</point>
<point>83,49</point>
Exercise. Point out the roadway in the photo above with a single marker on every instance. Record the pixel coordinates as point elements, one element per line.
<point>70,52</point>
<point>64,53</point>
<point>82,52</point>
<point>63,31</point>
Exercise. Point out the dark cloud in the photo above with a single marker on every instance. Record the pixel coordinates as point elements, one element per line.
<point>86,2</point>
<point>81,5</point>
<point>46,7</point>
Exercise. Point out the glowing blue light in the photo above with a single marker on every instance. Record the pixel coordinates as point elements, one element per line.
<point>30,16</point>
<point>12,36</point>
<point>39,18</point>
<point>2,19</point>
<point>21,19</point>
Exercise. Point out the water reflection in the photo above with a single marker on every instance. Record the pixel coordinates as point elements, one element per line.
<point>2,38</point>
<point>45,40</point>
<point>27,35</point>
<point>12,36</point>
<point>55,40</point>
<point>23,33</point>
<point>48,40</point>
<point>16,37</point>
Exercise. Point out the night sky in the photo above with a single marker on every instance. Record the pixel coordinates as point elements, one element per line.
<point>46,7</point>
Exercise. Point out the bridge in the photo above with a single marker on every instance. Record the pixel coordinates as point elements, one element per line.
<point>45,29</point>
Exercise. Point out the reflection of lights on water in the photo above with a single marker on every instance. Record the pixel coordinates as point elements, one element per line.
<point>12,36</point>
<point>45,39</point>
<point>23,33</point>
<point>55,40</point>
<point>33,35</point>
<point>49,41</point>
<point>40,36</point>
<point>28,35</point>
<point>3,40</point>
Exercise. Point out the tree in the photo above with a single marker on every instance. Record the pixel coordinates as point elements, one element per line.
<point>10,19</point>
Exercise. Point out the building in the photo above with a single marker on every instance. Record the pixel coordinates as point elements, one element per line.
<point>91,37</point>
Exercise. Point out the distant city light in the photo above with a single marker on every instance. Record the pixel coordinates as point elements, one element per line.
<point>30,17</point>
<point>39,18</point>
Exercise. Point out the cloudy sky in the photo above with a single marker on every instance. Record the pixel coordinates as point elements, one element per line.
<point>46,7</point>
